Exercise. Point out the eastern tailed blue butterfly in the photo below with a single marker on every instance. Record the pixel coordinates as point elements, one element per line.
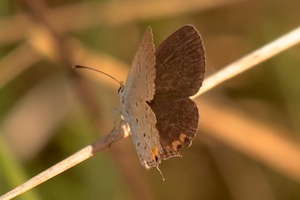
<point>156,100</point>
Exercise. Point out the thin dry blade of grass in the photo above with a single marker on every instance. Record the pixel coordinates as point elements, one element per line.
<point>284,42</point>
<point>69,162</point>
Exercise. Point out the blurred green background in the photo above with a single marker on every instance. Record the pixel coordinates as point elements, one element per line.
<point>247,145</point>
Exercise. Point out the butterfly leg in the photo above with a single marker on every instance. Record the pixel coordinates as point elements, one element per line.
<point>113,113</point>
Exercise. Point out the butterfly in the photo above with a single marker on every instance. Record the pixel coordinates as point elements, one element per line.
<point>156,100</point>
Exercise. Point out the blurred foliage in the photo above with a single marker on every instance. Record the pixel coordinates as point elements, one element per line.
<point>47,113</point>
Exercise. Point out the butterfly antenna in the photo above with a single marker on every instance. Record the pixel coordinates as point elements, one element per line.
<point>83,67</point>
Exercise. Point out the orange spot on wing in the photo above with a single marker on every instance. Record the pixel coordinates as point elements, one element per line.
<point>176,145</point>
<point>155,154</point>
<point>182,137</point>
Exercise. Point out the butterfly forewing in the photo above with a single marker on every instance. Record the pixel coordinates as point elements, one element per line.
<point>180,63</point>
<point>140,81</point>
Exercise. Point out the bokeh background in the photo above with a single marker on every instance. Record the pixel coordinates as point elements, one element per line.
<point>248,143</point>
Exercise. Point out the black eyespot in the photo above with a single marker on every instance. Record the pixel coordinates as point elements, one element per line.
<point>156,158</point>
<point>187,140</point>
<point>179,147</point>
<point>145,147</point>
<point>136,104</point>
<point>144,135</point>
<point>136,120</point>
<point>121,88</point>
<point>138,144</point>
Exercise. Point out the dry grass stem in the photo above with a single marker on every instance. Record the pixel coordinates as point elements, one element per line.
<point>69,162</point>
<point>284,42</point>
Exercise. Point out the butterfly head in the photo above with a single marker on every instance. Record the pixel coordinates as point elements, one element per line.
<point>121,88</point>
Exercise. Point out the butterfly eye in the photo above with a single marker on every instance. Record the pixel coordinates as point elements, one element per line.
<point>120,90</point>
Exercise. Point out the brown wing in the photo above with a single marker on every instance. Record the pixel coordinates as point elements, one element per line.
<point>180,67</point>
